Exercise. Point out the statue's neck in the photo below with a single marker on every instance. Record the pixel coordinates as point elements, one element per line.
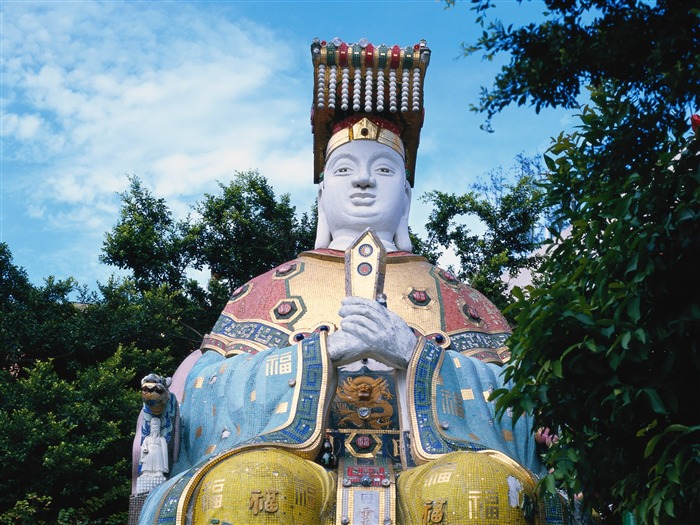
<point>344,239</point>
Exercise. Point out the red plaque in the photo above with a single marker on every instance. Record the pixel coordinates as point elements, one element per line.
<point>363,441</point>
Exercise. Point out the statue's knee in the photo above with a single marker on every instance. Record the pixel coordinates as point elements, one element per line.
<point>266,484</point>
<point>467,487</point>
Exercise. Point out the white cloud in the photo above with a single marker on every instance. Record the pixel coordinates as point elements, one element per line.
<point>24,127</point>
<point>183,94</point>
<point>94,96</point>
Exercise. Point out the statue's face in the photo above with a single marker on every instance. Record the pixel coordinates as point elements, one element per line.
<point>364,187</point>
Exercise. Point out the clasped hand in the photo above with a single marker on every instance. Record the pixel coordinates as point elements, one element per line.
<point>370,330</point>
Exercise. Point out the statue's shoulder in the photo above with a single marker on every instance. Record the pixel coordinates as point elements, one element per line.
<point>437,305</point>
<point>422,284</point>
<point>474,307</point>
<point>281,306</point>
<point>258,297</point>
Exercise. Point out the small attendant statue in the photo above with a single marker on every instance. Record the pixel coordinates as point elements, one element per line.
<point>160,418</point>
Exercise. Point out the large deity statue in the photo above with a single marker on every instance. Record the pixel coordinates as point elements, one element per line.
<point>351,385</point>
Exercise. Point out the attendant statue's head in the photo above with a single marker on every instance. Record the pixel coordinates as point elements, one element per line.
<point>364,186</point>
<point>366,119</point>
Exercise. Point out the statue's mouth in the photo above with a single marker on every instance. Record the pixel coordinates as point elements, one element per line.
<point>362,198</point>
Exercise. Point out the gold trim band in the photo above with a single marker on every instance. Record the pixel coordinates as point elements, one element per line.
<point>365,129</point>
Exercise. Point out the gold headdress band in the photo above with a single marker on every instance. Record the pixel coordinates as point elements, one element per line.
<point>366,129</point>
<point>381,84</point>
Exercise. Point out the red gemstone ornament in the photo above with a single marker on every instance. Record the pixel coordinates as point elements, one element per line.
<point>369,55</point>
<point>420,296</point>
<point>473,314</point>
<point>364,269</point>
<point>284,309</point>
<point>363,441</point>
<point>395,56</point>
<point>343,54</point>
<point>285,269</point>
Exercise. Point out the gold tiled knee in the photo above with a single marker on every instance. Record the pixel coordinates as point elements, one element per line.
<point>464,488</point>
<point>262,486</point>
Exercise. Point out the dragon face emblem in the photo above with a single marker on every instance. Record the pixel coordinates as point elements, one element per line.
<point>365,402</point>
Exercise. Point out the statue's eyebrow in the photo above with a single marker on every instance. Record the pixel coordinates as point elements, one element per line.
<point>342,156</point>
<point>382,156</point>
<point>377,155</point>
<point>385,156</point>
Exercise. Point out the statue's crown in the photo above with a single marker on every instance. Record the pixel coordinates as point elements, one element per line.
<point>363,92</point>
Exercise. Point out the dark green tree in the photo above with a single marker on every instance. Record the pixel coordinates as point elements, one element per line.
<point>147,240</point>
<point>648,49</point>
<point>36,322</point>
<point>64,443</point>
<point>511,208</point>
<point>603,347</point>
<point>68,394</point>
<point>160,317</point>
<point>18,299</point>
<point>241,232</point>
<point>247,230</point>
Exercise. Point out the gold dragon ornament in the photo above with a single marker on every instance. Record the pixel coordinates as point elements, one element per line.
<point>367,402</point>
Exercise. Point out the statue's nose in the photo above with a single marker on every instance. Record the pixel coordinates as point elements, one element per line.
<point>363,179</point>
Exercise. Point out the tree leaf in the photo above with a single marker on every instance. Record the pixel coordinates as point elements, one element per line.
<point>656,404</point>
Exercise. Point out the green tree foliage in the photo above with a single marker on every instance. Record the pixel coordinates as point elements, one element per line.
<point>41,322</point>
<point>68,393</point>
<point>77,328</point>
<point>239,233</point>
<point>606,348</point>
<point>122,313</point>
<point>147,240</point>
<point>511,208</point>
<point>246,230</point>
<point>71,359</point>
<point>64,443</point>
<point>647,48</point>
<point>35,322</point>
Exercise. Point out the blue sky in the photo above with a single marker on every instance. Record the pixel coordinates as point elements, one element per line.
<point>183,94</point>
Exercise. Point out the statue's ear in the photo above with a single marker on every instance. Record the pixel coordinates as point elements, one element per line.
<point>323,234</point>
<point>401,239</point>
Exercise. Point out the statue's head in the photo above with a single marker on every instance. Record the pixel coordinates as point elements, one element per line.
<point>364,186</point>
<point>154,393</point>
<point>366,120</point>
